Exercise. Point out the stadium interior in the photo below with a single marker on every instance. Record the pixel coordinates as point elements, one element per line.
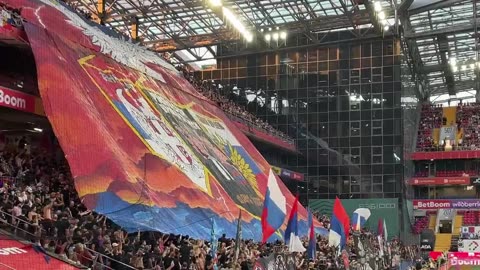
<point>245,135</point>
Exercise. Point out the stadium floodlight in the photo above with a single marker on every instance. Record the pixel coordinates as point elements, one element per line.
<point>381,15</point>
<point>268,37</point>
<point>261,30</point>
<point>386,28</point>
<point>248,37</point>
<point>275,36</point>
<point>453,61</point>
<point>237,24</point>
<point>216,3</point>
<point>38,129</point>
<point>377,6</point>
<point>283,35</point>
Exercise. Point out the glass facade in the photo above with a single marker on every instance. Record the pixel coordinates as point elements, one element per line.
<point>341,103</point>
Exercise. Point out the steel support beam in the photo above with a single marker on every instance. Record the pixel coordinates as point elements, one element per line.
<point>436,5</point>
<point>459,28</point>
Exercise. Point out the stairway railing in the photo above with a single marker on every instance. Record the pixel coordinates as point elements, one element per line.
<point>13,224</point>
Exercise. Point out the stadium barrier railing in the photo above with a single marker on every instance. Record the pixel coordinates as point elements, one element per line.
<point>20,234</point>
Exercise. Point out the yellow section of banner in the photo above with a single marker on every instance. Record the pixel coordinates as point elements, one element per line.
<point>276,170</point>
<point>450,113</point>
<point>436,135</point>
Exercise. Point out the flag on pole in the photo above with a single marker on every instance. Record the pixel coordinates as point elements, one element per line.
<point>385,233</point>
<point>292,239</point>
<point>238,238</point>
<point>339,226</point>
<point>274,208</point>
<point>380,227</point>
<point>312,241</point>
<point>360,217</point>
<point>214,242</point>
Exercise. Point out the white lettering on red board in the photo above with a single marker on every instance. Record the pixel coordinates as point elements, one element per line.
<point>11,250</point>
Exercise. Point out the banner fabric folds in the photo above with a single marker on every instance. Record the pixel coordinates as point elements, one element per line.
<point>145,149</point>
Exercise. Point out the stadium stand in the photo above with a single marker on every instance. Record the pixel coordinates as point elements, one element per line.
<point>39,203</point>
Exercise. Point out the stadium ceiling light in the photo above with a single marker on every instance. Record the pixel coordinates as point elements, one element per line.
<point>384,22</point>
<point>381,15</point>
<point>386,27</point>
<point>283,35</point>
<point>38,129</point>
<point>377,6</point>
<point>454,68</point>
<point>216,3</point>
<point>464,67</point>
<point>237,24</point>
<point>472,66</point>
<point>248,37</point>
<point>275,36</point>
<point>453,61</point>
<point>268,37</point>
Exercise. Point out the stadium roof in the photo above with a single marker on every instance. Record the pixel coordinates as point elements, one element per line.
<point>440,35</point>
<point>172,25</point>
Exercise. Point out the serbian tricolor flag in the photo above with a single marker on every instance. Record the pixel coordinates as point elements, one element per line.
<point>292,239</point>
<point>339,226</point>
<point>360,217</point>
<point>312,240</point>
<point>274,208</point>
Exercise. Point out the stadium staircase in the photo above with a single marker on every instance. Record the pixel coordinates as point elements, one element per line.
<point>443,241</point>
<point>458,223</point>
<point>432,223</point>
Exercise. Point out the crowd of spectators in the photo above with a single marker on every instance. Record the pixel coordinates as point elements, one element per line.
<point>213,92</point>
<point>468,119</point>
<point>430,118</point>
<point>38,201</point>
<point>467,125</point>
<point>9,16</point>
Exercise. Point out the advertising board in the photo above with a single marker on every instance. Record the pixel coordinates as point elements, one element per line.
<point>379,208</point>
<point>446,204</point>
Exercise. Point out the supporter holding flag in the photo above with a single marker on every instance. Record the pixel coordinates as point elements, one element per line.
<point>214,243</point>
<point>339,226</point>
<point>312,241</point>
<point>274,208</point>
<point>292,239</point>
<point>360,217</point>
<point>238,238</point>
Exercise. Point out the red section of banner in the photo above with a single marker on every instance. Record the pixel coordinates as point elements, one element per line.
<point>439,181</point>
<point>15,255</point>
<point>446,155</point>
<point>16,100</point>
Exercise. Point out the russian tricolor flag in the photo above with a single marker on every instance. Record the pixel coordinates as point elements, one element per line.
<point>274,208</point>
<point>312,240</point>
<point>339,226</point>
<point>360,217</point>
<point>292,239</point>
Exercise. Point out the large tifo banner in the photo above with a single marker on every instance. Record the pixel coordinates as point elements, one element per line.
<point>385,209</point>
<point>446,204</point>
<point>144,147</point>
